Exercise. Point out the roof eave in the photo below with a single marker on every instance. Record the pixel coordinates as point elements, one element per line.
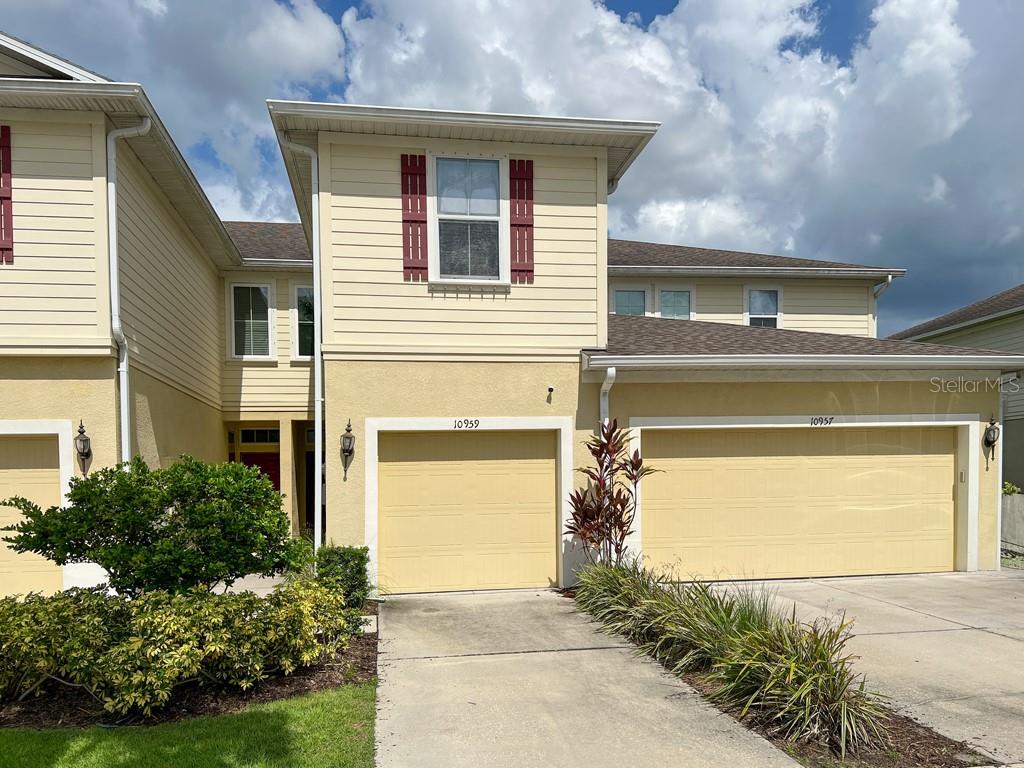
<point>1003,363</point>
<point>41,59</point>
<point>292,265</point>
<point>774,272</point>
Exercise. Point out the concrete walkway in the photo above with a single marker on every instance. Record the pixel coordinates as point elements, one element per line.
<point>947,648</point>
<point>522,679</point>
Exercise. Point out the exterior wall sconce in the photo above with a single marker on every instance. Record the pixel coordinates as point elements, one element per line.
<point>991,434</point>
<point>348,448</point>
<point>83,445</point>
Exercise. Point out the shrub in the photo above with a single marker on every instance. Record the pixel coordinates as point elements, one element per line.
<point>795,679</point>
<point>1009,489</point>
<point>131,654</point>
<point>191,524</point>
<point>345,569</point>
<point>602,514</point>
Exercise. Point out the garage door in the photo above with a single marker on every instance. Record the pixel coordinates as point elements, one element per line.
<point>29,468</point>
<point>466,510</point>
<point>800,502</point>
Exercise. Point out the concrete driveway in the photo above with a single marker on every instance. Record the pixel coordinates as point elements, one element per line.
<point>948,648</point>
<point>522,679</point>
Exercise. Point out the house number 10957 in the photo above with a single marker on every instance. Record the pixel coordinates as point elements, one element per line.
<point>467,423</point>
<point>822,421</point>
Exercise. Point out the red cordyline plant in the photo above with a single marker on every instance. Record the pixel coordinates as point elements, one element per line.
<point>603,512</point>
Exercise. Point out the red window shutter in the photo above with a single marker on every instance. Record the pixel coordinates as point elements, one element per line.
<point>414,217</point>
<point>520,176</point>
<point>6,213</point>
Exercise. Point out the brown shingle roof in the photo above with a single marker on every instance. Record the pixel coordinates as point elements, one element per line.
<point>1007,301</point>
<point>631,253</point>
<point>269,240</point>
<point>633,335</point>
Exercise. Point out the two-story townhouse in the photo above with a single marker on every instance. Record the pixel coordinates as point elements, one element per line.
<point>477,324</point>
<point>445,327</point>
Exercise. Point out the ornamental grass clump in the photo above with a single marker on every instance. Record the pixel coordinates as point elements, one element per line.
<point>794,679</point>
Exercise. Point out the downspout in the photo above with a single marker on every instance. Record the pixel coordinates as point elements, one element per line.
<point>113,262</point>
<point>881,288</point>
<point>318,374</point>
<point>606,387</point>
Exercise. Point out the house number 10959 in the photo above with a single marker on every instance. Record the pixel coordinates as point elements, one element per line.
<point>467,423</point>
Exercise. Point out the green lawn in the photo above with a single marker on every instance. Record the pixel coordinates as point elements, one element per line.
<point>1012,559</point>
<point>329,729</point>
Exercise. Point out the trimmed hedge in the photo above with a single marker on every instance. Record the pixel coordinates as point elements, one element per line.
<point>345,569</point>
<point>131,654</point>
<point>794,679</point>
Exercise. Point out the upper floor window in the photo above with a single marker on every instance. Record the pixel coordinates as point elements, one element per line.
<point>674,304</point>
<point>763,307</point>
<point>630,302</point>
<point>469,219</point>
<point>250,321</point>
<point>303,321</point>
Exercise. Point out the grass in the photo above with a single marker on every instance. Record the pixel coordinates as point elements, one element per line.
<point>1012,559</point>
<point>332,728</point>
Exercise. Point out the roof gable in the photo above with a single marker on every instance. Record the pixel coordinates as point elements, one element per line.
<point>991,308</point>
<point>22,60</point>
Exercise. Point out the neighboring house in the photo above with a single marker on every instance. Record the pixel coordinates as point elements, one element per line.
<point>452,293</point>
<point>996,322</point>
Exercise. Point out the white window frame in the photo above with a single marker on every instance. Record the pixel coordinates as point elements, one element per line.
<point>688,288</point>
<point>293,310</point>
<point>433,227</point>
<point>631,289</point>
<point>779,323</point>
<point>271,321</point>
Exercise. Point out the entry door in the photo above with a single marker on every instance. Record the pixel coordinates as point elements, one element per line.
<point>461,511</point>
<point>755,503</point>
<point>270,463</point>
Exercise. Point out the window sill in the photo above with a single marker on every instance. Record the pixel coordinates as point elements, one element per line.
<point>254,360</point>
<point>468,286</point>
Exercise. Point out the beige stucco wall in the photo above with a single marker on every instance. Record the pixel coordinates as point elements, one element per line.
<point>54,297</point>
<point>67,388</point>
<point>369,308</point>
<point>168,422</point>
<point>357,390</point>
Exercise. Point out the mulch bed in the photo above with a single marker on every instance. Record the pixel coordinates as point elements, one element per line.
<point>65,707</point>
<point>911,744</point>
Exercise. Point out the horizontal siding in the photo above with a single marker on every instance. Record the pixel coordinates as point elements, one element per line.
<point>281,384</point>
<point>371,306</point>
<point>827,306</point>
<point>170,291</point>
<point>1005,335</point>
<point>11,67</point>
<point>54,288</point>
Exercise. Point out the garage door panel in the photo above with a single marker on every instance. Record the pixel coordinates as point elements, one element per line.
<point>798,502</point>
<point>29,467</point>
<point>467,510</point>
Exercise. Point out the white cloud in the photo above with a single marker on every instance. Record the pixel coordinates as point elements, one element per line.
<point>908,155</point>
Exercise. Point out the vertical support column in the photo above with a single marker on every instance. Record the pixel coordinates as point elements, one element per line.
<point>287,457</point>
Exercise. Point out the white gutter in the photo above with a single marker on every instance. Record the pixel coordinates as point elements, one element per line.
<point>783,272</point>
<point>113,262</point>
<point>947,362</point>
<point>318,364</point>
<point>606,387</point>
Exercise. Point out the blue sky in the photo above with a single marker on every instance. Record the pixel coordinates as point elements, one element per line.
<point>879,132</point>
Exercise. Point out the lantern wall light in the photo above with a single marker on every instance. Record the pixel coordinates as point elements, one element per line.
<point>348,448</point>
<point>991,434</point>
<point>83,446</point>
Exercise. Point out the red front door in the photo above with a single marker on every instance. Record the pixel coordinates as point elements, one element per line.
<point>270,463</point>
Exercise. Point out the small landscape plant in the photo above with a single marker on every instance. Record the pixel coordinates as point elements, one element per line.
<point>794,679</point>
<point>1009,489</point>
<point>192,524</point>
<point>602,514</point>
<point>345,569</point>
<point>131,654</point>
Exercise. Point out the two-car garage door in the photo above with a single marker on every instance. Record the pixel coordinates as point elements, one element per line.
<point>742,503</point>
<point>29,467</point>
